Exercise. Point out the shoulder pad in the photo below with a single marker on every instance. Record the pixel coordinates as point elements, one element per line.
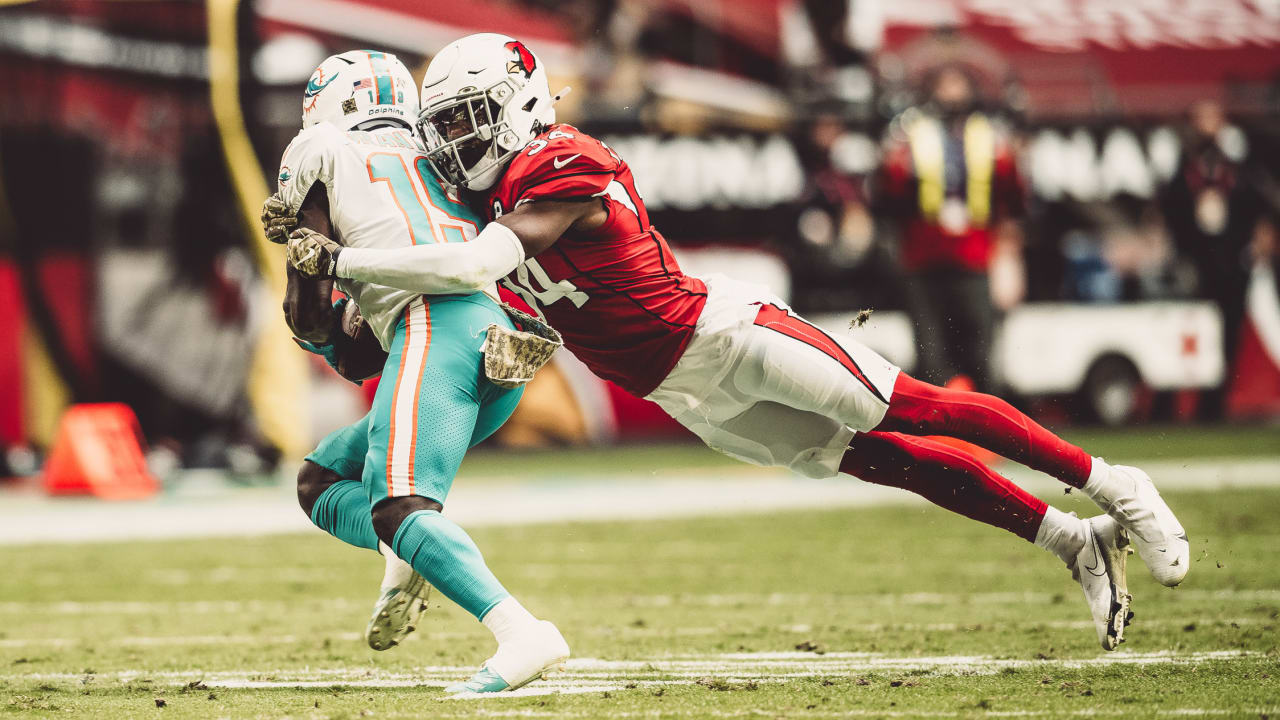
<point>562,162</point>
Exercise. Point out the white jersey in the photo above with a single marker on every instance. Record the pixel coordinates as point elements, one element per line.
<point>382,194</point>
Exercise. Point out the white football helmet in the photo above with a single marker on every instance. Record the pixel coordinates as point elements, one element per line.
<point>358,86</point>
<point>484,97</point>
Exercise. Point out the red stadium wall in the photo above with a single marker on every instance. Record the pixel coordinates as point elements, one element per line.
<point>12,324</point>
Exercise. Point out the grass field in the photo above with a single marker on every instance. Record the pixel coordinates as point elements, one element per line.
<point>882,611</point>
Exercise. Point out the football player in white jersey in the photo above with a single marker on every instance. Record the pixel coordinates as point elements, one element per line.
<point>356,173</point>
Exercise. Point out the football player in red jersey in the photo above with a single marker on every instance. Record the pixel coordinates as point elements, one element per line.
<point>729,360</point>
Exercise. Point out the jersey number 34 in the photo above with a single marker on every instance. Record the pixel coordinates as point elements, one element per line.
<point>536,287</point>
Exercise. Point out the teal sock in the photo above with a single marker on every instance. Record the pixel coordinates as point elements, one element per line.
<point>445,555</point>
<point>342,510</point>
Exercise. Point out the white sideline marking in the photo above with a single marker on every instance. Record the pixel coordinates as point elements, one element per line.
<point>609,630</point>
<point>599,675</point>
<point>640,495</point>
<point>167,640</point>
<point>233,607</point>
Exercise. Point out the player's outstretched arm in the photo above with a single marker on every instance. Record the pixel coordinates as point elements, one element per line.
<point>451,267</point>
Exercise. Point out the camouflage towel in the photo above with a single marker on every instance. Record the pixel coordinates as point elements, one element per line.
<point>511,357</point>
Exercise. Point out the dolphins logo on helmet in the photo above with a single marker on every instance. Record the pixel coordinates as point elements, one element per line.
<point>315,86</point>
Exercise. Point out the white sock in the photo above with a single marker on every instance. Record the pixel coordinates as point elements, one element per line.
<point>1099,487</point>
<point>507,619</point>
<point>398,571</point>
<point>1060,534</point>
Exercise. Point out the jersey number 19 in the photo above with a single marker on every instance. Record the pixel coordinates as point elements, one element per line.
<point>428,218</point>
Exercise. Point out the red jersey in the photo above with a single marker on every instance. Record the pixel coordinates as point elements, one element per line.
<point>616,293</point>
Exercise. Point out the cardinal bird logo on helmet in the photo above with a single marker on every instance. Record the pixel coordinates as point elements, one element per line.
<point>524,61</point>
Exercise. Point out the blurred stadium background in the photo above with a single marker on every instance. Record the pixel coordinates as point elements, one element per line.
<point>1110,213</point>
<point>1110,248</point>
<point>1074,204</point>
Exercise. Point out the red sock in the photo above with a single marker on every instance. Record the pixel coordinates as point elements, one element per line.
<point>918,408</point>
<point>945,476</point>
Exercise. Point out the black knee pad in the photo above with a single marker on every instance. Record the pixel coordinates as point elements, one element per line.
<point>390,513</point>
<point>313,480</point>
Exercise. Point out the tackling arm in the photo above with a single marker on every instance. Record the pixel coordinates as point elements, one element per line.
<point>454,267</point>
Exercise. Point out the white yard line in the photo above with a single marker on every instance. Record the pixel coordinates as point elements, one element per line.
<point>600,674</point>
<point>593,675</point>
<point>626,496</point>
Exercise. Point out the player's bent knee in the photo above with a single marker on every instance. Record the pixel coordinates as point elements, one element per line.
<point>313,480</point>
<point>389,514</point>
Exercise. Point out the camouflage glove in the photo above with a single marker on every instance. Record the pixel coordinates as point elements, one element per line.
<point>512,357</point>
<point>277,220</point>
<point>313,254</point>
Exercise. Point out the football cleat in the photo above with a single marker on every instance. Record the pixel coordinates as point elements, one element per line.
<point>518,662</point>
<point>1099,567</point>
<point>396,613</point>
<point>1156,533</point>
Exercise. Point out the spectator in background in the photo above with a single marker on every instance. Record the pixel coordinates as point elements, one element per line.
<point>837,265</point>
<point>950,181</point>
<point>1212,211</point>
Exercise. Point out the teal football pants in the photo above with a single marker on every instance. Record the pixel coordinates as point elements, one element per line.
<point>432,404</point>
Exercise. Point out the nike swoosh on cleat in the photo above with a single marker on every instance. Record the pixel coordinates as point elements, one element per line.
<point>1097,557</point>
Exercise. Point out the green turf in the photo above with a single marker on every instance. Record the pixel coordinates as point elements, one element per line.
<point>1178,441</point>
<point>896,581</point>
<point>1120,444</point>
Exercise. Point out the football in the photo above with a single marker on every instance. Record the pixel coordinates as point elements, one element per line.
<point>360,355</point>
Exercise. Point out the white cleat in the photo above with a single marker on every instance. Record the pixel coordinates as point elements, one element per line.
<point>518,662</point>
<point>396,613</point>
<point>1156,533</point>
<point>1099,567</point>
